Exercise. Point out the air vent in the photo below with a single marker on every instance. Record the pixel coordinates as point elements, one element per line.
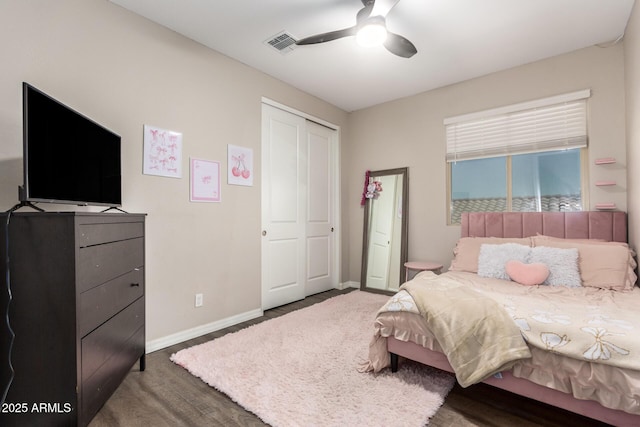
<point>282,42</point>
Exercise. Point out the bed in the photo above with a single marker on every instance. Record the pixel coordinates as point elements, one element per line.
<point>573,344</point>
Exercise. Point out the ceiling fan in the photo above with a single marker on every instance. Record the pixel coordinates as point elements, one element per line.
<point>369,29</point>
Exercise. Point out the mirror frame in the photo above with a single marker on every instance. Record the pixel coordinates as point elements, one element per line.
<point>404,244</point>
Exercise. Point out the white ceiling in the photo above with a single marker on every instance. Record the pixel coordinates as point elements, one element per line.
<point>456,39</point>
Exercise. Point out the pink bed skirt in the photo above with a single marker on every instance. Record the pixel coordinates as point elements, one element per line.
<point>520,386</point>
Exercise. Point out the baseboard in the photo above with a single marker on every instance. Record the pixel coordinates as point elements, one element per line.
<point>348,284</point>
<point>169,340</point>
<point>188,334</point>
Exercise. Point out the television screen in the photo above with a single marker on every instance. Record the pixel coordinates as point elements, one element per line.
<point>68,158</point>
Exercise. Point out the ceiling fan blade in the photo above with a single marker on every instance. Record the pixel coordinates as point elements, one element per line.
<point>400,46</point>
<point>365,12</point>
<point>327,37</point>
<point>382,7</point>
<point>362,15</point>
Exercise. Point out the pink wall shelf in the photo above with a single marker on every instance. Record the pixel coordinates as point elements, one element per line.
<point>605,161</point>
<point>605,206</point>
<point>605,183</point>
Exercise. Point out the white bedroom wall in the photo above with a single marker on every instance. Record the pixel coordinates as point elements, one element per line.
<point>124,71</point>
<point>632,93</point>
<point>410,132</point>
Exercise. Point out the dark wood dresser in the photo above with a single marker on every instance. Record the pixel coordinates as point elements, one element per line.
<point>77,311</point>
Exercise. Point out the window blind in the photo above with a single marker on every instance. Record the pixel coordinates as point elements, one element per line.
<point>554,123</point>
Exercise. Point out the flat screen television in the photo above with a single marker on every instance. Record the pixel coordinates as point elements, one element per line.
<point>68,158</point>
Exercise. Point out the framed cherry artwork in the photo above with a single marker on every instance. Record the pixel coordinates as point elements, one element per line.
<point>239,165</point>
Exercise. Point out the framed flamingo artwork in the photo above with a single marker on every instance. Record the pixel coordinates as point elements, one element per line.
<point>239,165</point>
<point>162,152</point>
<point>205,181</point>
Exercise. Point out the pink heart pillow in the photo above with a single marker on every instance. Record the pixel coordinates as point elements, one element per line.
<point>527,274</point>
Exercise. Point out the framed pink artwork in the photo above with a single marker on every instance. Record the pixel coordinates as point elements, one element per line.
<point>162,152</point>
<point>205,181</point>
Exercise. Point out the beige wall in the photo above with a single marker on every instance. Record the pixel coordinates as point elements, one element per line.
<point>632,93</point>
<point>124,71</point>
<point>410,132</point>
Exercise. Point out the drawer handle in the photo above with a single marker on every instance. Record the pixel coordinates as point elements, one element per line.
<point>135,285</point>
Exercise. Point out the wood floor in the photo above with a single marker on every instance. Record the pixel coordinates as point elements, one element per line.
<point>167,395</point>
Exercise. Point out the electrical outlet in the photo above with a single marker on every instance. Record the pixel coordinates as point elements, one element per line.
<point>199,300</point>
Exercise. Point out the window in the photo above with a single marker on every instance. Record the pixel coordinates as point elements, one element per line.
<point>546,182</point>
<point>521,158</point>
<point>469,193</point>
<point>538,182</point>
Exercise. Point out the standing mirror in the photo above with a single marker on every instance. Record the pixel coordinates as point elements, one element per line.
<point>384,249</point>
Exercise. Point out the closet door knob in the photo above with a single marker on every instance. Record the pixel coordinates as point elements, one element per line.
<point>264,232</point>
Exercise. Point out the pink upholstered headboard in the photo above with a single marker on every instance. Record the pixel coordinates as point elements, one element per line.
<point>609,226</point>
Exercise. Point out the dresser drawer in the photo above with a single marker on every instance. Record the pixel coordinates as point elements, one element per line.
<point>110,339</point>
<point>96,234</point>
<point>105,380</point>
<point>101,263</point>
<point>103,301</point>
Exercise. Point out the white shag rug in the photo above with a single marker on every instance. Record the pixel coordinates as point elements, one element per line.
<point>300,369</point>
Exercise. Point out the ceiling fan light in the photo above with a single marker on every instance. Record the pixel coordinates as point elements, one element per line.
<point>371,35</point>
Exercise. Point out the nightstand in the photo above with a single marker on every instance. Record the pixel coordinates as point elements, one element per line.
<point>421,266</point>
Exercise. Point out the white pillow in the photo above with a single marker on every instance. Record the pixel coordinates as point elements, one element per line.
<point>492,259</point>
<point>562,264</point>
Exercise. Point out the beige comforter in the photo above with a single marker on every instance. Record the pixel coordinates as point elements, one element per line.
<point>475,333</point>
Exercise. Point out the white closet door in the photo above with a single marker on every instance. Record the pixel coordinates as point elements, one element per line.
<point>298,181</point>
<point>320,274</point>
<point>283,207</point>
